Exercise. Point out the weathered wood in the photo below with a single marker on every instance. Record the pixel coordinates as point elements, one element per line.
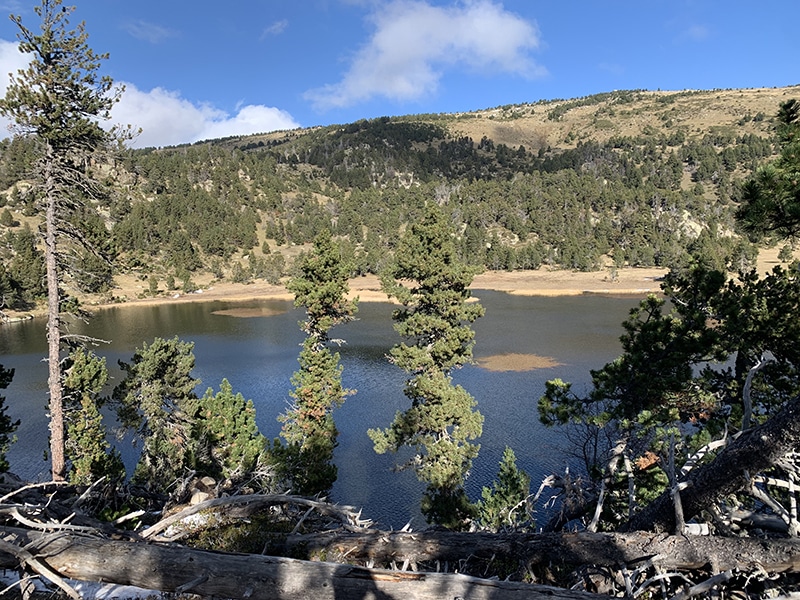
<point>670,552</point>
<point>754,451</point>
<point>176,568</point>
<point>249,504</point>
<point>29,561</point>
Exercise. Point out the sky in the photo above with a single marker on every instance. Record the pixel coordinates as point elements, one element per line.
<point>197,69</point>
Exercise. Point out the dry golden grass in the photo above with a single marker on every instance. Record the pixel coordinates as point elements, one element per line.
<point>695,113</point>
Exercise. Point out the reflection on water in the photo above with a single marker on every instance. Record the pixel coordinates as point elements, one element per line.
<point>249,312</point>
<point>558,337</point>
<point>516,361</point>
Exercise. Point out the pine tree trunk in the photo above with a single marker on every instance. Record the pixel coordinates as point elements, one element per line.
<point>58,464</point>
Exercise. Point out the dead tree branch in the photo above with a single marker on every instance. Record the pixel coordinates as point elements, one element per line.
<point>754,451</point>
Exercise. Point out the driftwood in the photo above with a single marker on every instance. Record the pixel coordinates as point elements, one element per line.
<point>58,550</point>
<point>172,568</point>
<point>754,451</point>
<point>351,542</point>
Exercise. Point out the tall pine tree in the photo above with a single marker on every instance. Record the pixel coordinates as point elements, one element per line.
<point>88,452</point>
<point>59,100</point>
<point>432,286</point>
<point>156,399</point>
<point>226,437</point>
<point>321,287</point>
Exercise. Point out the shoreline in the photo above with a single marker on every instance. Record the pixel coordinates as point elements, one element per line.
<point>629,281</point>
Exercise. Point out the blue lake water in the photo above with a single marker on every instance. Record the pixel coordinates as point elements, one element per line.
<point>258,352</point>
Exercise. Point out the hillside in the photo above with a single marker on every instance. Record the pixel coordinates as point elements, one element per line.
<point>561,124</point>
<point>548,123</point>
<point>619,179</point>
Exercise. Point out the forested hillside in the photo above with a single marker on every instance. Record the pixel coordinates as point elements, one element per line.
<point>629,178</point>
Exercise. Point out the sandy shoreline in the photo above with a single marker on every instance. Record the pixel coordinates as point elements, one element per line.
<point>634,282</point>
<point>368,289</point>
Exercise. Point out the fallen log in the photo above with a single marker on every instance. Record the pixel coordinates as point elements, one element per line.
<point>674,553</point>
<point>247,505</point>
<point>173,568</point>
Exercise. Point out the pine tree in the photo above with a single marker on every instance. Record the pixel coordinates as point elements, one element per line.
<point>504,505</point>
<point>309,429</point>
<point>680,381</point>
<point>771,198</point>
<point>7,219</point>
<point>59,100</point>
<point>225,430</point>
<point>88,452</point>
<point>7,426</point>
<point>8,292</point>
<point>26,270</point>
<point>157,400</point>
<point>432,286</point>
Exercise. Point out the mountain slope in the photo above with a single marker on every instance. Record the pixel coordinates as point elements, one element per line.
<point>628,178</point>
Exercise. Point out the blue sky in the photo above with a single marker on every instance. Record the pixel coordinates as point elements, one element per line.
<point>200,69</point>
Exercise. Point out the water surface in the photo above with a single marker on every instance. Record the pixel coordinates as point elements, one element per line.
<point>255,346</point>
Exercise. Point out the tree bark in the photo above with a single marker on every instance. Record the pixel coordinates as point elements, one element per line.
<point>754,451</point>
<point>173,568</point>
<point>180,569</point>
<point>57,459</point>
<point>675,553</point>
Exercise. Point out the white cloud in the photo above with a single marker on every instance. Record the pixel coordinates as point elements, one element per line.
<point>11,61</point>
<point>684,29</point>
<point>167,119</point>
<point>696,33</point>
<point>275,28</point>
<point>415,42</point>
<point>148,32</point>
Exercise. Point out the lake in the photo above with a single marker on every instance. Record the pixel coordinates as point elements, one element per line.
<point>255,346</point>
